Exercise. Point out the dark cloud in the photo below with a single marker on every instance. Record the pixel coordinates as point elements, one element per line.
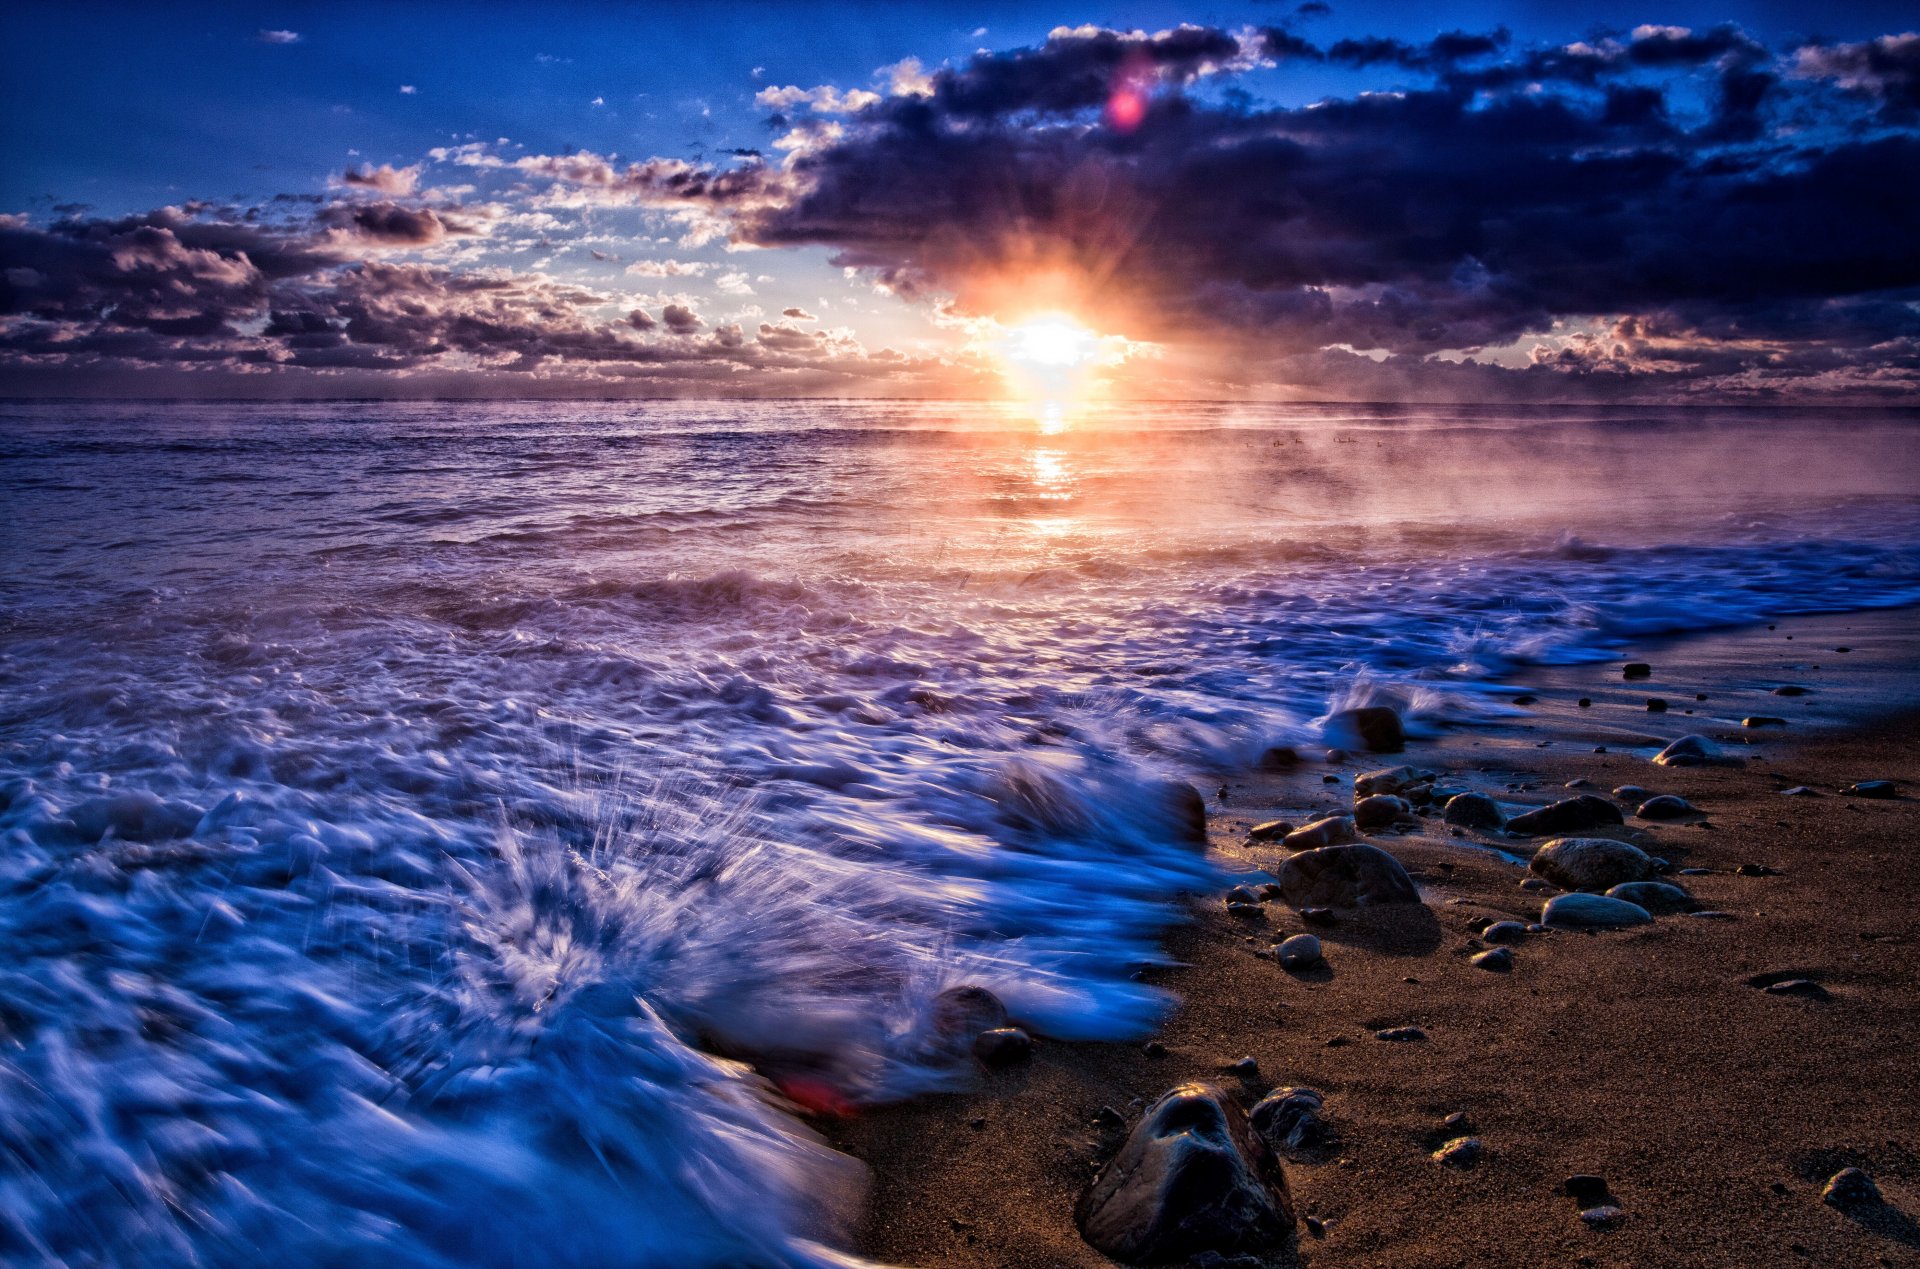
<point>680,319</point>
<point>1886,70</point>
<point>799,314</point>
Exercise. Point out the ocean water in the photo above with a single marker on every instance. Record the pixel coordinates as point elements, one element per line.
<point>459,833</point>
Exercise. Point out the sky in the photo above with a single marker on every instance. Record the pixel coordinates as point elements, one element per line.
<point>1342,201</point>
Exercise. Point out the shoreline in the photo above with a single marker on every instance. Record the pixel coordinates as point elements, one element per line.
<point>1715,1110</point>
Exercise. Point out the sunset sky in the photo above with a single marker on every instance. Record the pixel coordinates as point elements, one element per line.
<point>1269,201</point>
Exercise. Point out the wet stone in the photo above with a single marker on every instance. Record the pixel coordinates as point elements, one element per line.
<point>1461,1152</point>
<point>1592,912</point>
<point>1636,670</point>
<point>1473,810</point>
<point>1665,807</point>
<point>1380,810</point>
<point>1270,831</point>
<point>1504,932</point>
<point>1568,815</point>
<point>1374,728</point>
<point>1003,1046</point>
<point>1334,830</point>
<point>1656,705</point>
<point>1789,689</point>
<point>1605,1216</point>
<point>1400,1035</point>
<point>1353,875</point>
<point>1763,720</point>
<point>1590,863</point>
<point>1302,951</point>
<point>1656,897</point>
<point>1497,960</point>
<point>1291,1119</point>
<point>1879,789</point>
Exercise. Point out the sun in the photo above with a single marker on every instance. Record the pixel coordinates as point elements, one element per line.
<point>1050,343</point>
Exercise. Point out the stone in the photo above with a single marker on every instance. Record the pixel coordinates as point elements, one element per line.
<point>960,1014</point>
<point>1190,1178</point>
<point>1496,960</point>
<point>1302,951</point>
<point>1586,1188</point>
<point>1585,702</point>
<point>1374,728</point>
<point>1318,916</point>
<point>1003,1046</point>
<point>1799,988</point>
<point>1270,831</point>
<point>1691,751</point>
<point>1461,1152</point>
<point>1636,670</point>
<point>1247,1068</point>
<point>1400,1035</point>
<point>1185,811</point>
<point>1605,1216</point>
<point>1763,720</point>
<point>1280,758</point>
<point>1380,810</point>
<point>1755,870</point>
<point>1656,897</point>
<point>1240,894</point>
<point>1850,1187</point>
<point>1334,830</point>
<point>1590,863</point>
<point>1350,876</point>
<point>1473,810</point>
<point>1390,780</point>
<point>1569,815</point>
<point>1799,791</point>
<point>1789,689</point>
<point>1291,1119</point>
<point>1878,789</point>
<point>1535,883</point>
<point>1592,912</point>
<point>1656,705</point>
<point>1632,793</point>
<point>1154,1049</point>
<point>1502,932</point>
<point>1665,807</point>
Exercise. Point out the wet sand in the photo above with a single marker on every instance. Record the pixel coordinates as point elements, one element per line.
<point>1714,1110</point>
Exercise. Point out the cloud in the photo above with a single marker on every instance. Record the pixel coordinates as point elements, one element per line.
<point>680,319</point>
<point>385,179</point>
<point>408,90</point>
<point>733,283</point>
<point>798,314</point>
<point>390,224</point>
<point>1886,69</point>
<point>278,37</point>
<point>824,100</point>
<point>667,268</point>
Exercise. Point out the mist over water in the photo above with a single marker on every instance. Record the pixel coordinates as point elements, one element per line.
<point>442,834</point>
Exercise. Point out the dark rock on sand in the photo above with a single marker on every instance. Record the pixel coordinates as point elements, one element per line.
<point>1375,728</point>
<point>1592,912</point>
<point>1504,932</point>
<point>1291,1119</point>
<point>1473,810</point>
<point>1353,875</point>
<point>1605,1216</point>
<point>1656,897</point>
<point>1003,1046</point>
<point>1636,670</point>
<point>1755,870</point>
<point>1318,916</point>
<point>1390,780</point>
<point>1271,831</point>
<point>1280,758</point>
<point>1461,1152</point>
<point>1692,751</point>
<point>1790,689</point>
<point>1850,1187</point>
<point>1763,720</point>
<point>1799,988</point>
<point>1632,793</point>
<point>1656,705</point>
<point>1879,789</point>
<point>1190,1178</point>
<point>1585,702</point>
<point>1590,863</point>
<point>1302,951</point>
<point>1665,807</point>
<point>1569,815</point>
<point>1334,830</point>
<point>964,1012</point>
<point>1187,811</point>
<point>1496,960</point>
<point>1400,1035</point>
<point>1380,810</point>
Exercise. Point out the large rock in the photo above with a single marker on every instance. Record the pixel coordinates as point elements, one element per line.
<point>1291,1119</point>
<point>1185,811</point>
<point>1355,875</point>
<point>1334,830</point>
<point>1592,912</point>
<point>1191,1178</point>
<point>1380,810</point>
<point>1569,815</point>
<point>1590,863</point>
<point>1473,810</point>
<point>1374,728</point>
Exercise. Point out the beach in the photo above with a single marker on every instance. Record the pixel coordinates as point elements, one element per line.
<point>1714,1110</point>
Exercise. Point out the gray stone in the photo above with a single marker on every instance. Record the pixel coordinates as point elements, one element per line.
<point>1348,876</point>
<point>1636,670</point>
<point>1375,728</point>
<point>1380,810</point>
<point>1291,1119</point>
<point>1800,988</point>
<point>1632,793</point>
<point>1535,883</point>
<point>1692,751</point>
<point>1665,807</point>
<point>1569,815</point>
<point>1501,932</point>
<point>1590,863</point>
<point>1302,951</point>
<point>1400,1035</point>
<point>1190,1178</point>
<point>1605,1216</point>
<point>1271,831</point>
<point>1850,1187</point>
<point>1003,1046</point>
<point>1656,897</point>
<point>1461,1152</point>
<point>1390,780</point>
<point>1496,960</point>
<point>1592,912</point>
<point>1473,810</point>
<point>1334,830</point>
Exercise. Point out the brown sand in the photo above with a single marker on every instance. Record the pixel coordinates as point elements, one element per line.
<point>1714,1110</point>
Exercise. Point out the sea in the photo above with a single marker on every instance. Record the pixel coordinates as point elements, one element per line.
<point>489,833</point>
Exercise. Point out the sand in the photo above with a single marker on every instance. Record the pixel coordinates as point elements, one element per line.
<point>1715,1110</point>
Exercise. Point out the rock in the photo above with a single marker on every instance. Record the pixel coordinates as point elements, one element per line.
<point>1585,702</point>
<point>1473,810</point>
<point>1656,897</point>
<point>1636,670</point>
<point>1525,698</point>
<point>960,1014</point>
<point>1584,1187</point>
<point>1400,1035</point>
<point>1799,988</point>
<point>1003,1046</point>
<point>1632,793</point>
<point>1878,789</point>
<point>1349,876</point>
<point>1291,1119</point>
<point>1850,1187</point>
<point>1605,1216</point>
<point>1390,780</point>
<point>1535,883</point>
<point>1271,831</point>
<point>1502,932</point>
<point>1656,705</point>
<point>1154,1049</point>
<point>1375,728</point>
<point>1665,807</point>
<point>1247,1068</point>
<point>1755,870</point>
<point>1569,815</point>
<point>1763,720</point>
<point>1692,751</point>
<point>1186,811</point>
<point>1789,689</point>
<point>1240,894</point>
<point>1579,782</point>
<point>1380,810</point>
<point>1334,830</point>
<point>1461,1152</point>
<point>1590,863</point>
<point>1592,912</point>
<point>1190,1178</point>
<point>1280,758</point>
<point>1318,916</point>
<point>1497,960</point>
<point>1108,1117</point>
<point>1302,951</point>
<point>1799,791</point>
